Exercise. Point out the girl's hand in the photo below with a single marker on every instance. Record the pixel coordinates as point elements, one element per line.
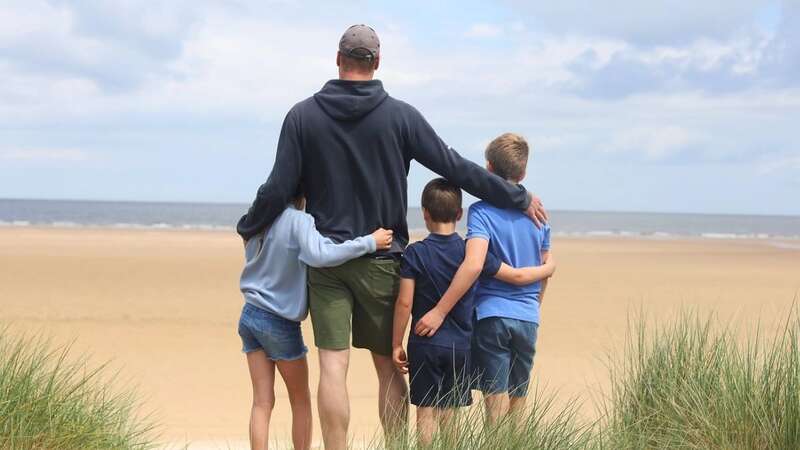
<point>383,238</point>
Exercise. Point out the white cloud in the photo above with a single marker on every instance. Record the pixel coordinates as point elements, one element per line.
<point>578,92</point>
<point>776,165</point>
<point>546,143</point>
<point>232,62</point>
<point>548,59</point>
<point>652,22</point>
<point>44,154</point>
<point>518,26</point>
<point>655,142</point>
<point>483,30</point>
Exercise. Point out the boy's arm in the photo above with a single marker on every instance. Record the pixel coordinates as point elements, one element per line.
<point>547,257</point>
<point>402,310</point>
<point>318,251</point>
<point>527,275</point>
<point>465,277</point>
<point>541,293</point>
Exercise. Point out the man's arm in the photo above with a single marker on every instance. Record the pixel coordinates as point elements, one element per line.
<point>428,148</point>
<point>275,194</point>
<point>527,275</point>
<point>402,310</point>
<point>465,277</point>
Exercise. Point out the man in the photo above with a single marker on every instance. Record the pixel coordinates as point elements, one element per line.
<point>349,148</point>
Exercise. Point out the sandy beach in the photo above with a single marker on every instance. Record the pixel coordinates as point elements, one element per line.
<point>163,307</point>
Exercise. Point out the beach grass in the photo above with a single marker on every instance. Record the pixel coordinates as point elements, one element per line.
<point>691,383</point>
<point>546,425</point>
<point>697,384</point>
<point>50,401</point>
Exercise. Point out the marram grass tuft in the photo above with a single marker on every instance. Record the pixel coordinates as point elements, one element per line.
<point>693,384</point>
<point>687,384</point>
<point>50,402</point>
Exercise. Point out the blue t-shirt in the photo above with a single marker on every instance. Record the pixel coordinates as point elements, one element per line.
<point>515,239</point>
<point>432,263</point>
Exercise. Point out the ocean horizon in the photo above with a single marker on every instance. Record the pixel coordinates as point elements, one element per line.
<point>223,217</point>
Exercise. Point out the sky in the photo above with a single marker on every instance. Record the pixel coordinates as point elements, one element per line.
<point>669,106</point>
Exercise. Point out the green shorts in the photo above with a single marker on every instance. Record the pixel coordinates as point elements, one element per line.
<point>359,295</point>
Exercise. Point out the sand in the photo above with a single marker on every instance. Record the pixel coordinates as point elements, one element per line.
<point>163,307</point>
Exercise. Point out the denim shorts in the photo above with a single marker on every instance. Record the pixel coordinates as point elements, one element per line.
<point>502,353</point>
<point>440,376</point>
<point>281,339</point>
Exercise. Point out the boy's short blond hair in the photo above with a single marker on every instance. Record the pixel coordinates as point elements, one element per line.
<point>508,155</point>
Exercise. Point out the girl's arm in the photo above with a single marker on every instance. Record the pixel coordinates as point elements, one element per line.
<point>318,251</point>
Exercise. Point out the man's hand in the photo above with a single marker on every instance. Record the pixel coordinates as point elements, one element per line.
<point>429,323</point>
<point>400,359</point>
<point>383,239</point>
<point>536,211</point>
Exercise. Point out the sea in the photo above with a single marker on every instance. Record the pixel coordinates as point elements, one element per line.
<point>223,217</point>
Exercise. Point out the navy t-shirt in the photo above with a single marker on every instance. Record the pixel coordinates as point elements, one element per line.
<point>433,263</point>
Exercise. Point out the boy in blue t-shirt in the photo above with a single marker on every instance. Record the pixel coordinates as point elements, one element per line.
<point>439,362</point>
<point>504,339</point>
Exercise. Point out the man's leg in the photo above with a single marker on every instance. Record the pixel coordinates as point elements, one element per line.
<point>392,397</point>
<point>374,283</point>
<point>332,398</point>
<point>331,306</point>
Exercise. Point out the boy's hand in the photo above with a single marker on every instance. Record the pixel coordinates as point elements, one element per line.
<point>536,211</point>
<point>429,323</point>
<point>383,238</point>
<point>550,261</point>
<point>400,359</point>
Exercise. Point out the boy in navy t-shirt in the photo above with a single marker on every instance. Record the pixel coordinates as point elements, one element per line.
<point>439,353</point>
<point>504,341</point>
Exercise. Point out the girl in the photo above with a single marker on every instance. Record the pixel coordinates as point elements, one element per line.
<point>274,286</point>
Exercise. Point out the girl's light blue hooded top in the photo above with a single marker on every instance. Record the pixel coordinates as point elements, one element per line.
<point>274,275</point>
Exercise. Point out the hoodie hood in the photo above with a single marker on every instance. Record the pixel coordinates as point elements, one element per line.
<point>350,100</point>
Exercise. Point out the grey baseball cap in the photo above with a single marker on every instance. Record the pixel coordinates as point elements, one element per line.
<point>360,42</point>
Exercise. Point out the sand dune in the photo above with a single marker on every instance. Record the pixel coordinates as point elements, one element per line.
<point>163,306</point>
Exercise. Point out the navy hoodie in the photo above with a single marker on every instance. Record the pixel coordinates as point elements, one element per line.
<point>349,148</point>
